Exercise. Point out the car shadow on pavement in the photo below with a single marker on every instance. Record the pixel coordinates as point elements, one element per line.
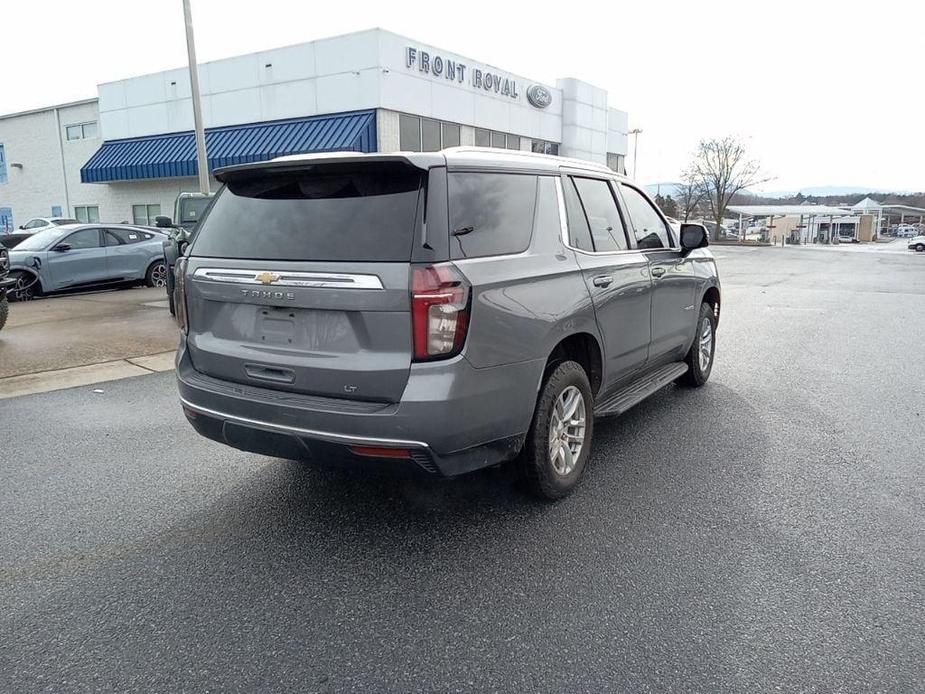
<point>658,453</point>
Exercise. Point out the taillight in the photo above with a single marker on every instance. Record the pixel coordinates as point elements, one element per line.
<point>439,310</point>
<point>179,293</point>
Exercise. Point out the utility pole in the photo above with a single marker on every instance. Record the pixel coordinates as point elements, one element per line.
<point>202,159</point>
<point>635,133</point>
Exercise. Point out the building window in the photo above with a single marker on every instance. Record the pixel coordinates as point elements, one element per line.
<point>430,135</point>
<point>87,214</point>
<point>409,133</point>
<point>482,138</point>
<point>426,134</point>
<point>543,147</point>
<point>81,131</point>
<point>497,139</point>
<point>450,135</point>
<point>145,214</point>
<point>616,162</point>
<point>513,141</point>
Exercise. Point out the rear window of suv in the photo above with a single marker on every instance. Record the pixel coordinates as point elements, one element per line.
<point>325,213</point>
<point>491,213</point>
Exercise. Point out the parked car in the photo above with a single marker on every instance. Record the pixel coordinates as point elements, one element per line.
<point>188,210</point>
<point>13,239</point>
<point>523,308</point>
<point>5,285</point>
<point>74,256</point>
<point>40,223</point>
<point>904,231</point>
<point>917,244</point>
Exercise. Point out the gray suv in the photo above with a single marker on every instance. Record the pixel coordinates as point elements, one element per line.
<point>442,311</point>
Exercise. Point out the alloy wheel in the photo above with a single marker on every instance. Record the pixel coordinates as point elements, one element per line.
<point>159,275</point>
<point>706,344</point>
<point>567,430</point>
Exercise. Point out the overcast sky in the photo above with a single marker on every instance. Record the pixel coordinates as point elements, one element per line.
<point>824,93</point>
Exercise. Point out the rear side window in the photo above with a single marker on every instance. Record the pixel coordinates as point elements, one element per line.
<point>579,234</point>
<point>650,230</point>
<point>490,213</point>
<point>329,212</point>
<point>600,208</point>
<point>123,236</point>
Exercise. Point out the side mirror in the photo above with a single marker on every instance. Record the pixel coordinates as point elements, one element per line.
<point>693,236</point>
<point>22,226</point>
<point>61,247</point>
<point>163,222</point>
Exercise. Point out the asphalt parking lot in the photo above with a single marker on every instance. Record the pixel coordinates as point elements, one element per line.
<point>766,532</point>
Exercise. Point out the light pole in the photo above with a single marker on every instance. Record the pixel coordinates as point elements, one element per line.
<point>201,157</point>
<point>635,133</point>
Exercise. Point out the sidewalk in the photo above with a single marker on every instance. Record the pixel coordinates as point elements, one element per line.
<point>64,341</point>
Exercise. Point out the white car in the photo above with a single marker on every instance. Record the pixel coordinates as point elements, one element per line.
<point>917,244</point>
<point>39,223</point>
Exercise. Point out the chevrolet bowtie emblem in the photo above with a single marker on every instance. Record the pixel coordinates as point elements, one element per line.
<point>267,277</point>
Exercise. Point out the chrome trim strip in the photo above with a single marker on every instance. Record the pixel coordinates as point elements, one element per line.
<point>323,435</point>
<point>289,278</point>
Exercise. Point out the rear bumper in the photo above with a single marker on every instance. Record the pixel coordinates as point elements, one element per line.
<point>452,418</point>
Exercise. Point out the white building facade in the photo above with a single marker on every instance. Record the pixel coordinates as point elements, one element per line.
<point>125,155</point>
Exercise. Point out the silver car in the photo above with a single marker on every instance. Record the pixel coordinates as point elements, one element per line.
<point>75,256</point>
<point>442,311</point>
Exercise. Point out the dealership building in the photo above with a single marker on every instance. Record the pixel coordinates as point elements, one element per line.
<point>126,154</point>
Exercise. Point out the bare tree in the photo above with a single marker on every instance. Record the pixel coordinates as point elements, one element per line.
<point>688,196</point>
<point>721,168</point>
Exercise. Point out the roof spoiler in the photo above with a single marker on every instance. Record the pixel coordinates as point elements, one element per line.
<point>297,162</point>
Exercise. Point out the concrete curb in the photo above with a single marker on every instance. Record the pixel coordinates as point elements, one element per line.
<point>59,379</point>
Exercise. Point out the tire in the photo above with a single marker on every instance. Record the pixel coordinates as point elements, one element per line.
<point>156,276</point>
<point>699,365</point>
<point>548,476</point>
<point>920,247</point>
<point>4,311</point>
<point>27,287</point>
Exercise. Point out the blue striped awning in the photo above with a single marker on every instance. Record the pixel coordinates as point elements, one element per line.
<point>166,156</point>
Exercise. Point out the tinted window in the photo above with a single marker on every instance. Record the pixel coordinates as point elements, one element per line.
<point>546,222</point>
<point>579,234</point>
<point>603,217</point>
<point>191,209</point>
<point>482,138</point>
<point>430,135</point>
<point>650,230</point>
<point>497,139</point>
<point>409,133</point>
<point>450,135</point>
<point>332,213</point>
<point>85,238</point>
<point>128,235</point>
<point>492,214</point>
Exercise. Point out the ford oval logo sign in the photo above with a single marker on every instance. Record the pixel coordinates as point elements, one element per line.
<point>539,96</point>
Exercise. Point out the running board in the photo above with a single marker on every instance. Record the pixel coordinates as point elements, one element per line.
<point>639,390</point>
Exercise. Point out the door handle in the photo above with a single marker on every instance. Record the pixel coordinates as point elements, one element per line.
<point>658,271</point>
<point>602,281</point>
